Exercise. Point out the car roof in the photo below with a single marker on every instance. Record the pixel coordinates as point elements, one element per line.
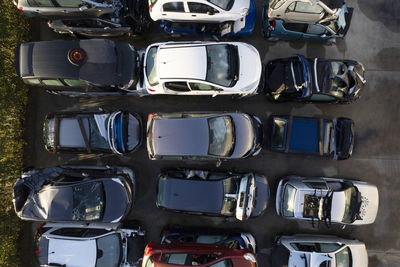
<point>181,136</point>
<point>191,195</point>
<point>49,59</point>
<point>188,62</point>
<point>72,252</point>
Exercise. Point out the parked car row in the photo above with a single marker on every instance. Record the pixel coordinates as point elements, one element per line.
<point>292,20</point>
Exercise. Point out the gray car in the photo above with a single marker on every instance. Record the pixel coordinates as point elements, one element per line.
<point>203,136</point>
<point>213,193</point>
<point>75,194</point>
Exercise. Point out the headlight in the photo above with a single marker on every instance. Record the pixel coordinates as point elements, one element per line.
<point>250,257</point>
<point>244,12</point>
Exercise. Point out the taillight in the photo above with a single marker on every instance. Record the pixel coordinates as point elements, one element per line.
<point>20,8</point>
<point>273,23</point>
<point>150,8</point>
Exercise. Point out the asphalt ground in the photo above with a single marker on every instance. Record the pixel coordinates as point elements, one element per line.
<point>373,39</point>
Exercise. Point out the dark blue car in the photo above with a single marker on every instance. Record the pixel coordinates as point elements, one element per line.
<point>209,29</point>
<point>317,136</point>
<point>324,32</point>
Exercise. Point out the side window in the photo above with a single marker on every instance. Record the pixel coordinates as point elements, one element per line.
<point>74,83</point>
<point>72,232</point>
<point>291,7</point>
<point>316,29</point>
<point>201,8</point>
<point>174,7</point>
<point>224,263</point>
<point>44,3</point>
<point>202,86</point>
<point>295,27</point>
<point>305,246</point>
<point>176,258</point>
<point>70,3</point>
<point>322,97</point>
<point>94,232</point>
<point>33,81</point>
<point>304,7</point>
<point>328,247</point>
<point>316,185</point>
<point>52,82</point>
<point>177,86</point>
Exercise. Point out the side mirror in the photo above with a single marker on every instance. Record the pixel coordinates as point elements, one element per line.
<point>210,13</point>
<point>83,8</point>
<point>215,93</point>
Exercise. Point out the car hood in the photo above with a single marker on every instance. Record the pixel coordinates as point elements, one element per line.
<point>116,200</point>
<point>262,195</point>
<point>369,203</point>
<point>250,67</point>
<point>244,134</point>
<point>359,255</point>
<point>181,137</point>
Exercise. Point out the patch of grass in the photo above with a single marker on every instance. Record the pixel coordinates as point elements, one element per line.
<point>13,100</point>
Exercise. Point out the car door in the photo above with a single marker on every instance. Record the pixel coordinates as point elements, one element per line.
<point>175,11</point>
<point>303,12</point>
<point>202,12</point>
<point>293,31</point>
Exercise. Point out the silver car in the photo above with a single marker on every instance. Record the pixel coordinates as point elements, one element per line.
<point>203,136</point>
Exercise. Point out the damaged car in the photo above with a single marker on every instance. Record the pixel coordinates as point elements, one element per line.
<point>203,136</point>
<point>327,200</point>
<point>90,18</point>
<point>317,251</point>
<point>241,12</point>
<point>75,194</point>
<point>66,64</point>
<point>119,132</point>
<point>313,80</point>
<point>230,239</point>
<point>198,192</point>
<point>194,254</point>
<point>89,245</point>
<point>201,68</point>
<point>301,23</point>
<point>314,136</point>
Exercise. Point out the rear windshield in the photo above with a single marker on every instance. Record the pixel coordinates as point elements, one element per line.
<point>88,201</point>
<point>222,136</point>
<point>278,134</point>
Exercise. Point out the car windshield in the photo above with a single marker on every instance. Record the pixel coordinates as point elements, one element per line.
<point>151,66</point>
<point>231,188</point>
<point>88,201</point>
<point>224,4</point>
<point>109,251</point>
<point>222,64</point>
<point>288,201</point>
<point>222,136</point>
<point>343,258</point>
<point>352,205</point>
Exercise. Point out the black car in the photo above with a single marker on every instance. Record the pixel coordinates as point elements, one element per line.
<point>75,194</point>
<point>78,64</point>
<point>119,132</point>
<point>313,80</point>
<point>213,193</point>
<point>316,136</point>
<point>203,136</point>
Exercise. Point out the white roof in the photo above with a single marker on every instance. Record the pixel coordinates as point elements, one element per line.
<point>183,62</point>
<point>73,253</point>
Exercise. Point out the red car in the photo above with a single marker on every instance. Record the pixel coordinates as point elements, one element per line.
<point>195,254</point>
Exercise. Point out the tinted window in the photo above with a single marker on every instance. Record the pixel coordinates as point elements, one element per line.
<point>87,201</point>
<point>174,7</point>
<point>189,259</point>
<point>316,185</point>
<point>225,263</point>
<point>295,27</point>
<point>73,232</point>
<point>70,3</point>
<point>201,86</point>
<point>343,258</point>
<point>278,133</point>
<point>322,98</point>
<point>97,136</point>
<point>177,86</point>
<point>308,8</point>
<point>109,251</point>
<point>200,8</point>
<point>224,4</point>
<point>52,83</point>
<point>222,64</point>
<point>316,29</point>
<point>41,3</point>
<point>222,136</point>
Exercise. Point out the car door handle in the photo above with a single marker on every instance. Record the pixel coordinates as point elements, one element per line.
<point>164,14</point>
<point>194,15</point>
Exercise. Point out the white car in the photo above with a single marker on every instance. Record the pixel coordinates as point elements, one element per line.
<point>331,200</point>
<point>318,251</point>
<point>201,68</point>
<point>201,10</point>
<point>89,245</point>
<point>305,10</point>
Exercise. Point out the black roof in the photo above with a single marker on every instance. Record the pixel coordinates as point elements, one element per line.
<point>105,63</point>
